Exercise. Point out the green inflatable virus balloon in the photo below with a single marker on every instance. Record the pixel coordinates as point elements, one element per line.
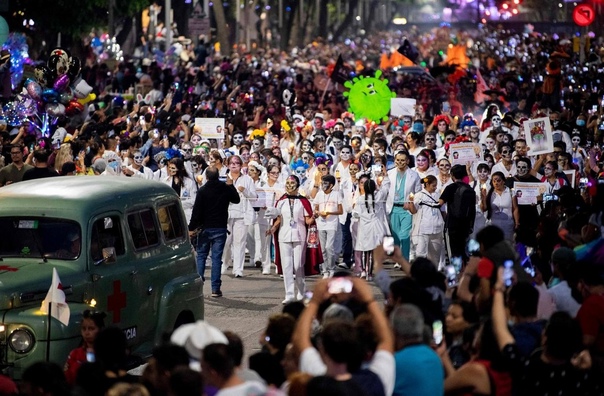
<point>369,97</point>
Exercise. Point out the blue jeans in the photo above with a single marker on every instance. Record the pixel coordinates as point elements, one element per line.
<point>211,238</point>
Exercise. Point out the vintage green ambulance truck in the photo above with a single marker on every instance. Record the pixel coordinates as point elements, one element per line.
<point>120,245</point>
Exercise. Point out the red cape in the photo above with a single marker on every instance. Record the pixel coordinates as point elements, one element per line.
<point>314,256</point>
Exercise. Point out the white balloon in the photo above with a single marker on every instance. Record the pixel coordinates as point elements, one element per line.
<point>81,89</point>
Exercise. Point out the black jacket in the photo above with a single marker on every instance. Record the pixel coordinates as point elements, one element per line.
<point>211,208</point>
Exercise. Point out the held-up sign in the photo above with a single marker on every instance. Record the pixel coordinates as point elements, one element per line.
<point>210,128</point>
<point>402,107</point>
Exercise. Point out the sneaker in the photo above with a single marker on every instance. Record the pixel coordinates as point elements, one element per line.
<point>363,274</point>
<point>397,265</point>
<point>287,301</point>
<point>258,264</point>
<point>238,276</point>
<point>216,293</point>
<point>267,272</point>
<point>326,275</point>
<point>343,266</point>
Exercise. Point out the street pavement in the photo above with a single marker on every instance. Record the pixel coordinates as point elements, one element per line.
<point>248,302</point>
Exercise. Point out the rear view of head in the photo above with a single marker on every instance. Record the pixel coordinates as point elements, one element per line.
<point>408,324</point>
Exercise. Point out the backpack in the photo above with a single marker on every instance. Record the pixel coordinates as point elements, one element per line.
<point>464,200</point>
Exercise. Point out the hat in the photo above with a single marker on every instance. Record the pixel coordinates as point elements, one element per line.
<point>298,117</point>
<point>320,115</point>
<point>59,135</point>
<point>195,336</point>
<point>564,255</point>
<point>509,119</point>
<point>99,166</point>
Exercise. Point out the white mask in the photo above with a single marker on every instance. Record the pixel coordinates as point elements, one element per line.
<point>496,121</point>
<point>237,139</point>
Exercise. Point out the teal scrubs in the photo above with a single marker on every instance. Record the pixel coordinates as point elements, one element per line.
<point>400,219</point>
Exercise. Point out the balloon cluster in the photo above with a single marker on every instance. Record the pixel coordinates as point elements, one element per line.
<point>56,90</point>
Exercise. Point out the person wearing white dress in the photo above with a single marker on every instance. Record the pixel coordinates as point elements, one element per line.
<point>184,186</point>
<point>428,222</point>
<point>499,206</point>
<point>240,217</point>
<point>291,224</point>
<point>370,210</point>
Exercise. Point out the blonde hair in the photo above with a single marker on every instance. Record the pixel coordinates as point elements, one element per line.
<point>63,155</point>
<point>124,389</point>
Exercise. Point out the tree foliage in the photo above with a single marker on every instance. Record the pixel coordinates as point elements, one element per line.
<point>74,17</point>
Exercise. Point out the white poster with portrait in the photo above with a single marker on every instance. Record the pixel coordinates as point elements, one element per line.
<point>210,128</point>
<point>538,133</point>
<point>527,193</point>
<point>462,153</point>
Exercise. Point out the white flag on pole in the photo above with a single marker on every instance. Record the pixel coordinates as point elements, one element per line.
<point>56,296</point>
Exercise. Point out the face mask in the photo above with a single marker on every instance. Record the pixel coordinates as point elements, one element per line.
<point>555,123</point>
<point>113,165</point>
<point>580,123</point>
<point>138,159</point>
<point>237,140</point>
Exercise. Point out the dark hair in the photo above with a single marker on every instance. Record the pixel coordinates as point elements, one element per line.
<point>523,299</point>
<point>340,343</point>
<point>294,178</point>
<point>170,356</point>
<point>425,272</point>
<point>489,348</point>
<point>490,193</point>
<point>484,166</point>
<point>459,172</point>
<point>211,173</point>
<point>181,171</point>
<point>217,356</point>
<point>560,144</point>
<point>235,347</point>
<point>525,160</point>
<point>186,382</point>
<point>47,375</point>
<point>369,186</point>
<point>413,135</point>
<point>563,336</point>
<point>98,317</point>
<point>429,179</point>
<point>329,179</point>
<point>469,312</point>
<point>110,347</point>
<point>489,236</point>
<point>279,331</point>
<point>41,156</point>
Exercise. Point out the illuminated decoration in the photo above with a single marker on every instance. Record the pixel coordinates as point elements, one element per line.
<point>369,97</point>
<point>16,44</point>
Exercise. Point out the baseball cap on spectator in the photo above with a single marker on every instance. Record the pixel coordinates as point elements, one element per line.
<point>194,337</point>
<point>418,127</point>
<point>99,166</point>
<point>320,115</point>
<point>59,136</point>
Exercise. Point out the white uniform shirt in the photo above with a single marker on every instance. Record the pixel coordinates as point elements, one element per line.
<point>293,225</point>
<point>327,203</point>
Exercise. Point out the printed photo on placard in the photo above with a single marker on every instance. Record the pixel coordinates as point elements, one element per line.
<point>462,153</point>
<point>538,133</point>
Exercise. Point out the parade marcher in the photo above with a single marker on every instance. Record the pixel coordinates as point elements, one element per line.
<point>428,223</point>
<point>404,184</point>
<point>258,242</point>
<point>184,186</point>
<point>138,169</point>
<point>208,224</point>
<point>240,216</point>
<point>294,214</point>
<point>327,207</point>
<point>500,207</point>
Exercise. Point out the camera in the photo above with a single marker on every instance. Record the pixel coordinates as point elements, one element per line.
<point>549,197</point>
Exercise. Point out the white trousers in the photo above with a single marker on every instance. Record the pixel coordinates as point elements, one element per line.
<point>430,246</point>
<point>235,245</point>
<point>258,244</point>
<point>293,256</point>
<point>328,248</point>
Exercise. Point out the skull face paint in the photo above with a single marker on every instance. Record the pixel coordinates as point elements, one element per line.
<point>237,139</point>
<point>496,121</point>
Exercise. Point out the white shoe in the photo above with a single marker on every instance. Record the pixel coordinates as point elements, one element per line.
<point>397,265</point>
<point>363,274</point>
<point>287,301</point>
<point>267,272</point>
<point>326,275</point>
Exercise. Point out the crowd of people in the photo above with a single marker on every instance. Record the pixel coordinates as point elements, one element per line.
<point>500,296</point>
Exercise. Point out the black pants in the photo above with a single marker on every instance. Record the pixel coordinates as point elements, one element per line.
<point>347,248</point>
<point>458,239</point>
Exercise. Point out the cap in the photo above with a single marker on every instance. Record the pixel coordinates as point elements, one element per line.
<point>564,255</point>
<point>320,115</point>
<point>195,336</point>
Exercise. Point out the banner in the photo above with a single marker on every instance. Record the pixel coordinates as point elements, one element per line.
<point>538,134</point>
<point>462,153</point>
<point>210,128</point>
<point>340,73</point>
<point>527,193</point>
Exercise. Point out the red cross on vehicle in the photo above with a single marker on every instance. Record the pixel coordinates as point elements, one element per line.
<point>117,301</point>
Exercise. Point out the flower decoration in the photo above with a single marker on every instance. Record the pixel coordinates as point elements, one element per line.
<point>285,126</point>
<point>172,153</point>
<point>440,118</point>
<point>257,133</point>
<point>299,164</point>
<point>321,158</point>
